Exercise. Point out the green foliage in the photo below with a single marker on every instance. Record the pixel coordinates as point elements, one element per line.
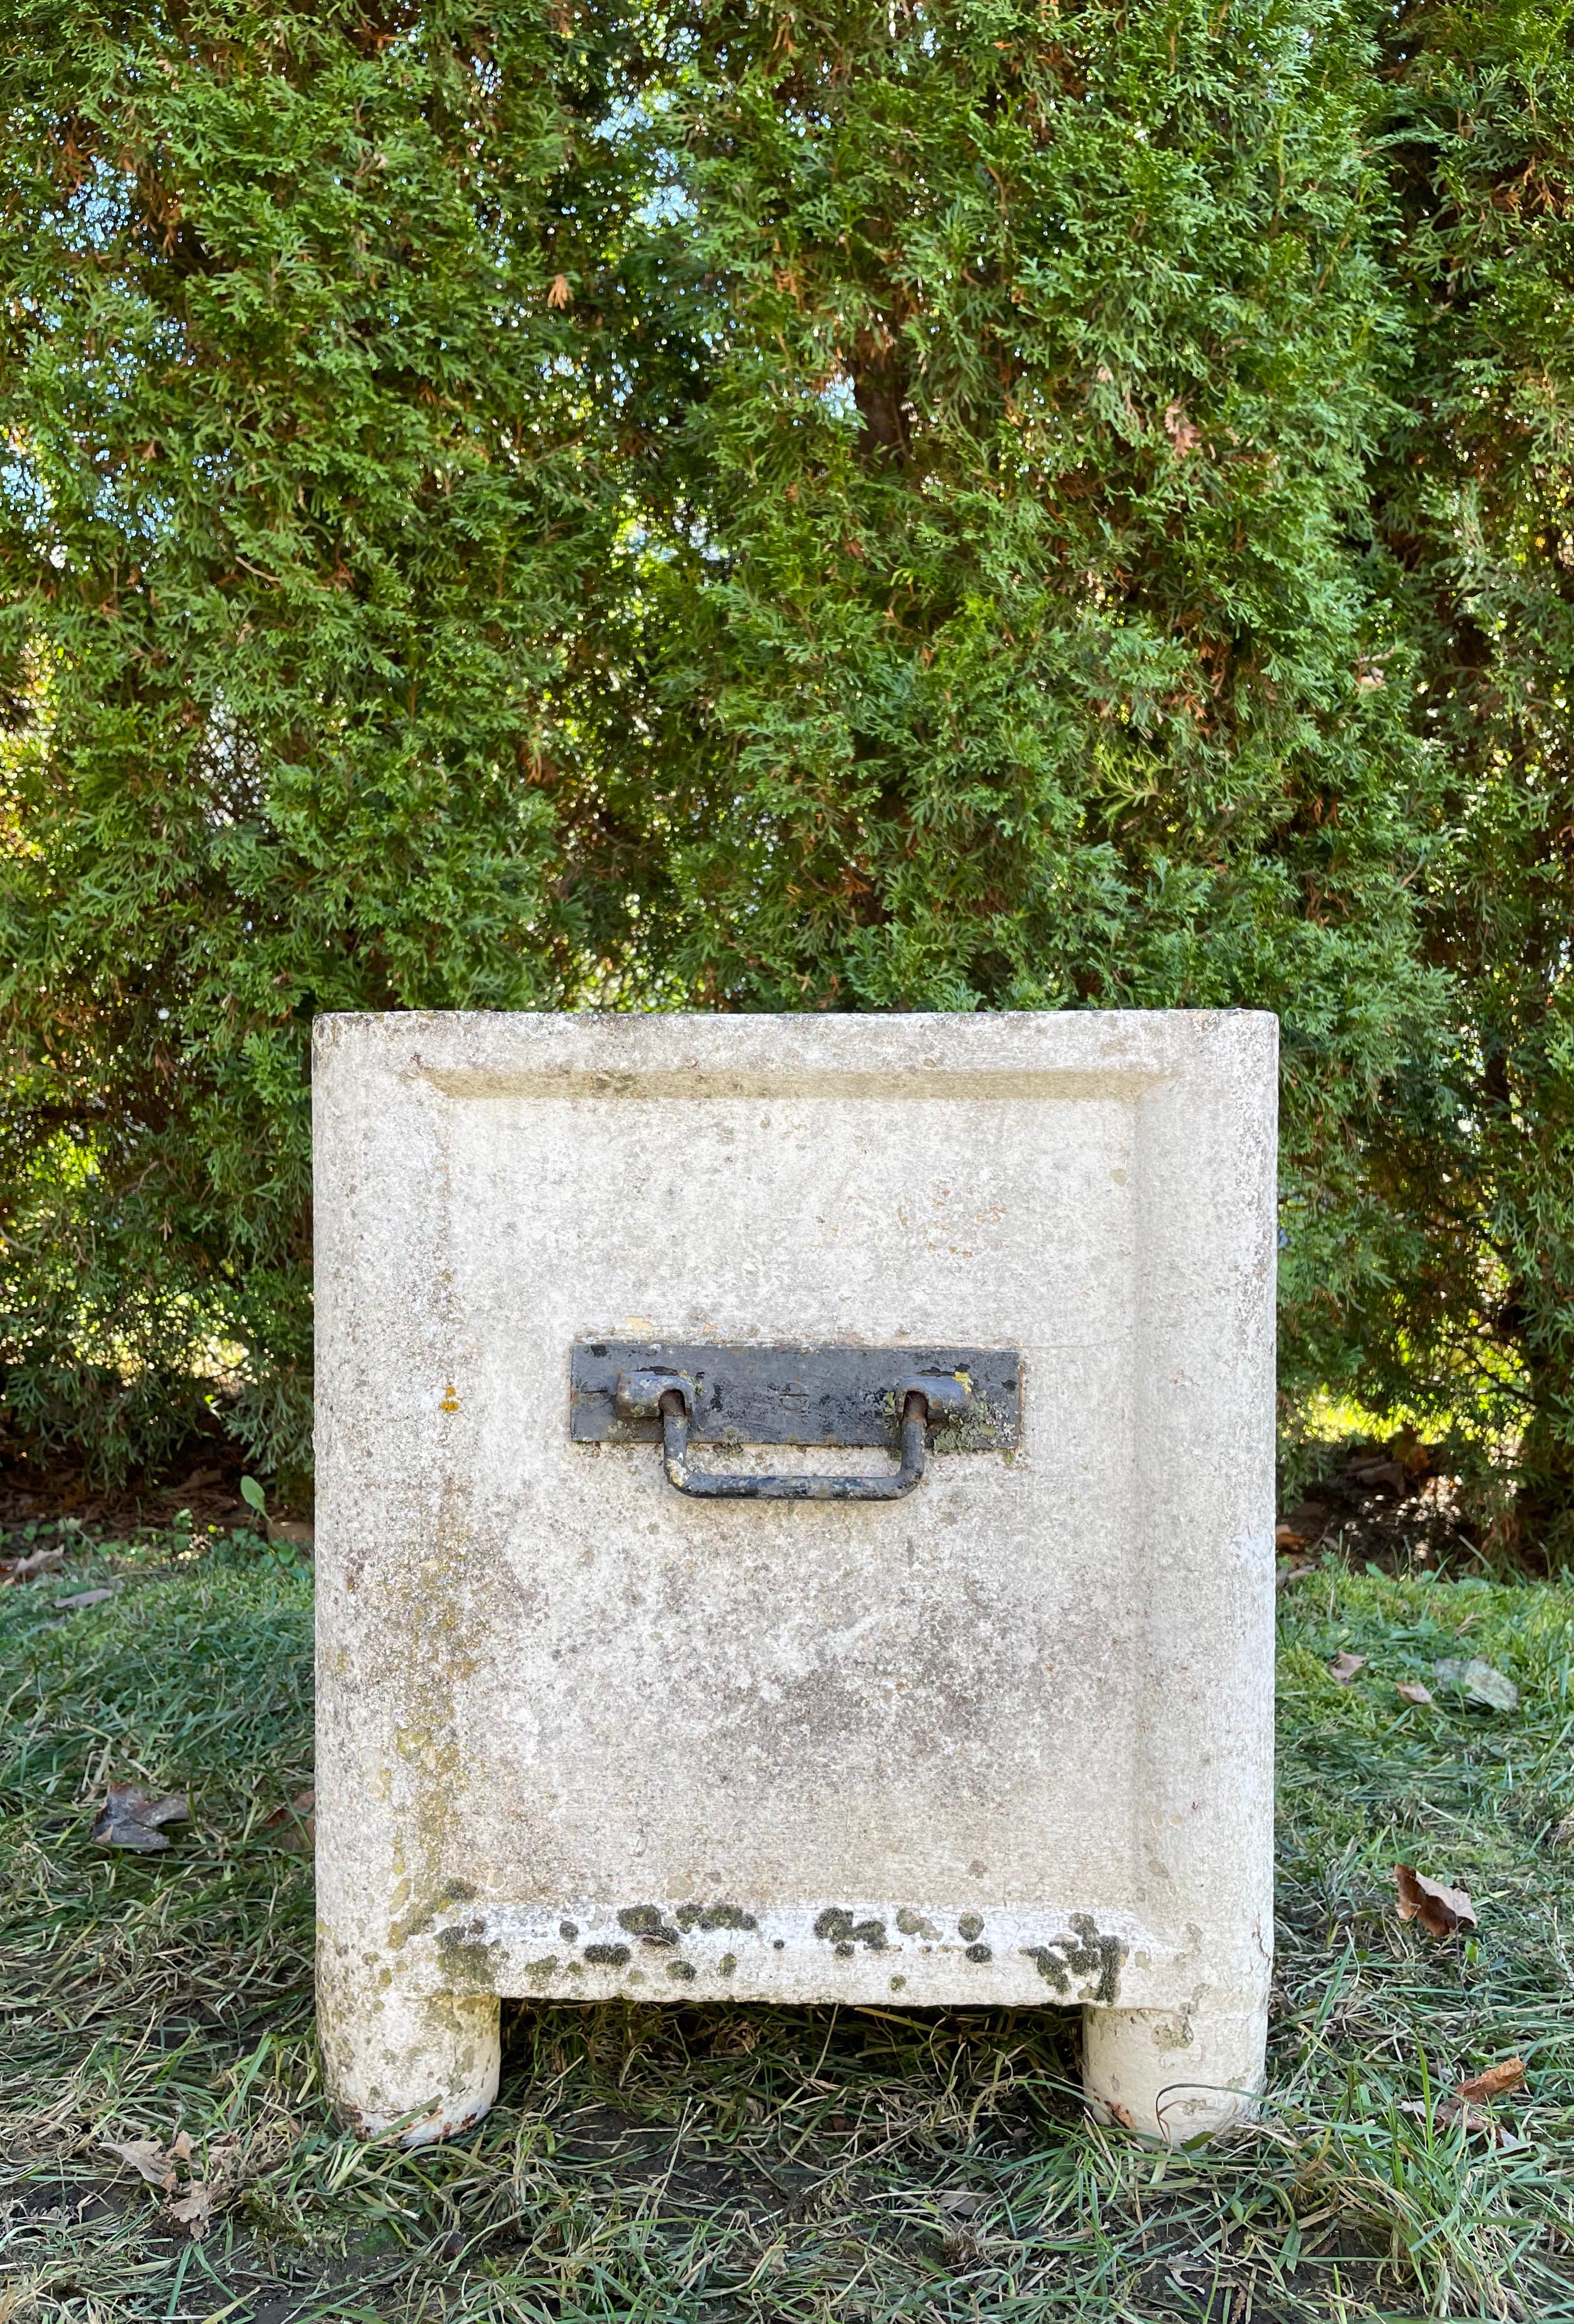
<point>1473,509</point>
<point>882,507</point>
<point>326,631</point>
<point>1045,654</point>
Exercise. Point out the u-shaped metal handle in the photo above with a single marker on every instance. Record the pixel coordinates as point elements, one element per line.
<point>670,1394</point>
<point>714,1488</point>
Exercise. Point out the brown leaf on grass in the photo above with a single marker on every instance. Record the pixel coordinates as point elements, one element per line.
<point>1439,1909</point>
<point>147,2158</point>
<point>1344,1666</point>
<point>1288,1573</point>
<point>1411,1690</point>
<point>1286,1537</point>
<point>1561,1833</point>
<point>1506,2075</point>
<point>28,1568</point>
<point>85,1598</point>
<point>131,1817</point>
<point>294,1827</point>
<point>194,2209</point>
<point>169,2169</point>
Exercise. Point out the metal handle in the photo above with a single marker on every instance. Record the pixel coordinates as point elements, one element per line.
<point>671,1395</point>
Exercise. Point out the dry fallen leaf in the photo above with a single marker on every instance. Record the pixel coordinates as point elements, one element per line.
<point>1506,2075</point>
<point>1561,1833</point>
<point>1286,1537</point>
<point>1344,1666</point>
<point>294,1827</point>
<point>85,1598</point>
<point>194,2209</point>
<point>162,2167</point>
<point>131,1817</point>
<point>37,1562</point>
<point>1478,1683</point>
<point>146,2157</point>
<point>1288,1573</point>
<point>1411,1690</point>
<point>1183,432</point>
<point>1439,1909</point>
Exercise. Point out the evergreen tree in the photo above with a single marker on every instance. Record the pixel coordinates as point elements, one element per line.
<point>1048,661</point>
<point>1473,507</point>
<point>856,506</point>
<point>325,642</point>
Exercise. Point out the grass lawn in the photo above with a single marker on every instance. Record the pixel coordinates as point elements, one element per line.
<point>658,2163</point>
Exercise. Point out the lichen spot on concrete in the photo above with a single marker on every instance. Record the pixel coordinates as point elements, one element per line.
<point>469,1960</point>
<point>1172,2032</point>
<point>1049,1965</point>
<point>645,1923</point>
<point>1085,1955</point>
<point>606,1957</point>
<point>684,1971</point>
<point>969,1926</point>
<point>835,1926</point>
<point>713,1916</point>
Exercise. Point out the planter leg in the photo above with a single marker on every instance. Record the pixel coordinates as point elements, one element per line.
<point>1174,2075</point>
<point>430,2063</point>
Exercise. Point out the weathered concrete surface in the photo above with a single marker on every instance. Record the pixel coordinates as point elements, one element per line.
<point>1006,1740</point>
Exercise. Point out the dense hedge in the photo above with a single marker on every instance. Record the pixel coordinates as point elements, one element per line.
<point>994,506</point>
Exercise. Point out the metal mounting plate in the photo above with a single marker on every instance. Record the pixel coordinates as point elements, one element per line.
<point>796,1394</point>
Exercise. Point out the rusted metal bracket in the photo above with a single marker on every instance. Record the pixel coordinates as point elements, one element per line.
<point>911,1399</point>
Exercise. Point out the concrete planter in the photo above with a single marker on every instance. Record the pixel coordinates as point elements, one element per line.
<point>1006,1739</point>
